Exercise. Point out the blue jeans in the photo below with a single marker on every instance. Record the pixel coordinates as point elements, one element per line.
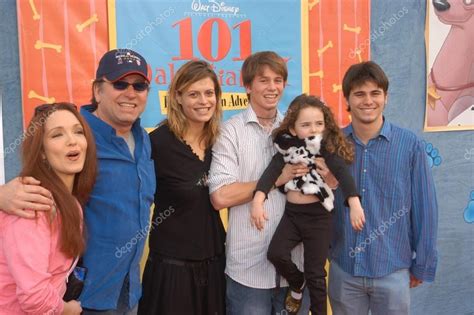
<point>389,295</point>
<point>243,300</point>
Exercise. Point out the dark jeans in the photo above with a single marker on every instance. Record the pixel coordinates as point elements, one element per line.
<point>312,225</point>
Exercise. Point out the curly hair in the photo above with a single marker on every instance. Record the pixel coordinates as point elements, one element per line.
<point>334,139</point>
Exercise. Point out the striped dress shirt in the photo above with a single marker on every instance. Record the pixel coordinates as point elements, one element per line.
<point>241,154</point>
<point>401,211</point>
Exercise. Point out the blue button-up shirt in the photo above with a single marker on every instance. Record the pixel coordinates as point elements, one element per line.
<point>399,200</point>
<point>117,215</point>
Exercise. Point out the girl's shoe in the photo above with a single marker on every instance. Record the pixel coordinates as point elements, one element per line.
<point>292,305</point>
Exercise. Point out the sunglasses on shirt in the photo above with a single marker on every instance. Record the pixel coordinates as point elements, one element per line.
<point>123,85</point>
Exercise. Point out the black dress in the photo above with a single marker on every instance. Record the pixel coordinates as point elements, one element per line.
<point>184,273</point>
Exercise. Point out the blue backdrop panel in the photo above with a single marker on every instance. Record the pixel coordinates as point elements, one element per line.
<point>11,86</point>
<point>400,50</point>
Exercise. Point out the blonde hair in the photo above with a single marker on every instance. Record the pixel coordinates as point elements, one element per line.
<point>188,74</point>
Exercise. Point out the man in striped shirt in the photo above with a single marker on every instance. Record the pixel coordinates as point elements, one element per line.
<point>374,269</point>
<point>240,155</point>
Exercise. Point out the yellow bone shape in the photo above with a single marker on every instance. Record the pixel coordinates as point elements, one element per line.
<point>322,50</point>
<point>33,94</point>
<point>40,44</point>
<point>312,4</point>
<point>86,23</point>
<point>36,15</point>
<point>320,74</point>
<point>352,29</point>
<point>358,52</point>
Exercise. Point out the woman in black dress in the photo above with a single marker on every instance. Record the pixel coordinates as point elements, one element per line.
<point>184,273</point>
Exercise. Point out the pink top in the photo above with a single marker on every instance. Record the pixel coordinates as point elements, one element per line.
<point>33,270</point>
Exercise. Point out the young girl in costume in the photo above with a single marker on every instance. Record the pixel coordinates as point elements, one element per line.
<point>307,132</point>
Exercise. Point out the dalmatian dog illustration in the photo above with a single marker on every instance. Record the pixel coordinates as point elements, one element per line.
<point>304,151</point>
<point>451,79</point>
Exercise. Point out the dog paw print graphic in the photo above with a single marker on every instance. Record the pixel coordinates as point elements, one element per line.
<point>469,211</point>
<point>434,159</point>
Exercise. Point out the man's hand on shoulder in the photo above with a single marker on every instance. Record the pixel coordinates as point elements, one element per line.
<point>21,195</point>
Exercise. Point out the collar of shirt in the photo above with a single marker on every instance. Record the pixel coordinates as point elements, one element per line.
<point>101,126</point>
<point>385,132</point>
<point>249,116</point>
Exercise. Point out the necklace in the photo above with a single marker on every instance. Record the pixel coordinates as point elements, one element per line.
<point>267,123</point>
<point>267,118</point>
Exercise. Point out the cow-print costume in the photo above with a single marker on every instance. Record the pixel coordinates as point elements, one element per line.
<point>295,151</point>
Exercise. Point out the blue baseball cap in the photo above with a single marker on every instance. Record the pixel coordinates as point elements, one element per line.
<point>117,63</point>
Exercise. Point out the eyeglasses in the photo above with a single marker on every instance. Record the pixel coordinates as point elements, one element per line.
<point>123,85</point>
<point>54,106</point>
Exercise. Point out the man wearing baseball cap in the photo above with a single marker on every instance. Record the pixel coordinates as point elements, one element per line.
<point>118,211</point>
<point>117,214</point>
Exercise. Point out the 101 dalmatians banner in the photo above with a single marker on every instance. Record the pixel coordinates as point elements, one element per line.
<point>62,41</point>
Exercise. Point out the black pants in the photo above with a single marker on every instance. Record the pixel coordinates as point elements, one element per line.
<point>312,225</point>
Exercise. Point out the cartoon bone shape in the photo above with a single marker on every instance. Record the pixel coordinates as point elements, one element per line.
<point>320,74</point>
<point>86,23</point>
<point>352,29</point>
<point>322,50</point>
<point>36,15</point>
<point>358,53</point>
<point>312,4</point>
<point>33,94</point>
<point>40,44</point>
<point>336,87</point>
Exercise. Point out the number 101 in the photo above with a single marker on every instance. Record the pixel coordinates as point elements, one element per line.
<point>204,39</point>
